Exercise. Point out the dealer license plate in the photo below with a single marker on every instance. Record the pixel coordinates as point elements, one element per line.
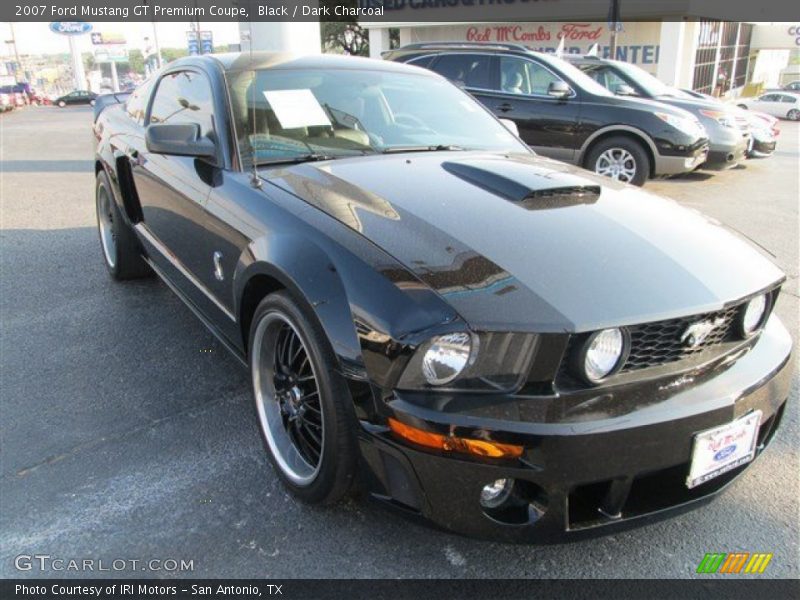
<point>717,451</point>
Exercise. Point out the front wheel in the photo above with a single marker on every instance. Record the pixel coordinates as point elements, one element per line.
<point>793,115</point>
<point>303,406</point>
<point>621,159</point>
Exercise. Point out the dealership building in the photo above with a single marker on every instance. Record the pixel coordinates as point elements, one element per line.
<point>713,57</point>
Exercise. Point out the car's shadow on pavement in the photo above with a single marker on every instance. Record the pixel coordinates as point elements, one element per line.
<point>128,432</point>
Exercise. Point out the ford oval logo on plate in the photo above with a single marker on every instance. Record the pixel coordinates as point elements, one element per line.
<point>725,452</point>
<point>70,27</point>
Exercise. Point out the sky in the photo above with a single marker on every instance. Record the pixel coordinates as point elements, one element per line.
<point>36,38</point>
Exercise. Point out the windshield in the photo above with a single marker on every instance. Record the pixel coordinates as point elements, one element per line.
<point>284,115</point>
<point>575,74</point>
<point>651,85</point>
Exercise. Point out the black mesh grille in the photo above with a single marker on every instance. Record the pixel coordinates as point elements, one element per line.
<point>661,342</point>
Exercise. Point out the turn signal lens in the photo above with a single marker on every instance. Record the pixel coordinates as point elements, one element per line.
<point>451,443</point>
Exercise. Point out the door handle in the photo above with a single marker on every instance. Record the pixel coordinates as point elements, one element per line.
<point>504,107</point>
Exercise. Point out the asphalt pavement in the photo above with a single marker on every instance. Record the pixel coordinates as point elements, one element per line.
<point>126,431</point>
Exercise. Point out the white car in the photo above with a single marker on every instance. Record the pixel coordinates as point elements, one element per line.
<point>785,105</point>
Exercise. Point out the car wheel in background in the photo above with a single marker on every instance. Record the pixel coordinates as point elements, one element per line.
<point>121,252</point>
<point>91,103</point>
<point>620,158</point>
<point>61,104</point>
<point>744,106</point>
<point>793,115</point>
<point>302,404</point>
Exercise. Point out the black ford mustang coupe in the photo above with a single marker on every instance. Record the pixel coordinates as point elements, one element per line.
<point>505,345</point>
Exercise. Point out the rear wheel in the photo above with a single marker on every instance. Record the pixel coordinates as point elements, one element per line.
<point>793,115</point>
<point>302,404</point>
<point>61,104</point>
<point>121,252</point>
<point>620,158</point>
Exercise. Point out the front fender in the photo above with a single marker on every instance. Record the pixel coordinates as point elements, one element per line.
<point>304,269</point>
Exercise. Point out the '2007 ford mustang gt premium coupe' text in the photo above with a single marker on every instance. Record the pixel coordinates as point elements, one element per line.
<point>505,345</point>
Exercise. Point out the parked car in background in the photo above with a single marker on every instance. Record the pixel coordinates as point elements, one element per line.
<point>564,114</point>
<point>784,105</point>
<point>728,139</point>
<point>764,132</point>
<point>509,346</point>
<point>76,97</point>
<point>792,86</point>
<point>6,102</point>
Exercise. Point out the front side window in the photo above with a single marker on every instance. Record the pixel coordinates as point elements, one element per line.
<point>468,70</point>
<point>769,98</point>
<point>607,78</point>
<point>184,97</point>
<point>522,76</point>
<point>285,114</point>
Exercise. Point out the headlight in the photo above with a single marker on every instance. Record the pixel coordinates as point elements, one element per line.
<point>721,117</point>
<point>688,125</point>
<point>485,361</point>
<point>753,315</point>
<point>446,357</point>
<point>602,354</point>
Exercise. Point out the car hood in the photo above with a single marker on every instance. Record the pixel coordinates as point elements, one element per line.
<point>695,105</point>
<point>519,242</point>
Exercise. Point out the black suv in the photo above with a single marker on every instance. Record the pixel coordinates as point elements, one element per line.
<point>564,114</point>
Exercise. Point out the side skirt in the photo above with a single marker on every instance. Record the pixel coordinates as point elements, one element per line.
<point>198,313</point>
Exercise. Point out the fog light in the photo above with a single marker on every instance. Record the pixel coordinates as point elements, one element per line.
<point>497,492</point>
<point>753,316</point>
<point>602,354</point>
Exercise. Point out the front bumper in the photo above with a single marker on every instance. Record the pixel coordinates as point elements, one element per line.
<point>676,164</point>
<point>762,147</point>
<point>637,461</point>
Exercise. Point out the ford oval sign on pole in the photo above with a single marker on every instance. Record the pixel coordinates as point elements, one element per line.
<point>70,27</point>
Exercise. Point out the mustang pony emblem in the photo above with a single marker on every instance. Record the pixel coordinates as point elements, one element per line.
<point>697,332</point>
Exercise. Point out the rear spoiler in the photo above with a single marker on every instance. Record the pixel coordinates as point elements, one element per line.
<point>103,102</point>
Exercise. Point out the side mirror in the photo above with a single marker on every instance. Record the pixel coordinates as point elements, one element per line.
<point>623,89</point>
<point>179,140</point>
<point>511,126</point>
<point>558,89</point>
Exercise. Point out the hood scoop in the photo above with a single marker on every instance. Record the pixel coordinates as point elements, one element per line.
<point>525,184</point>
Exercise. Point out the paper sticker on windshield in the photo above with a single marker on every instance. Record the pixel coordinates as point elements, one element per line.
<point>296,108</point>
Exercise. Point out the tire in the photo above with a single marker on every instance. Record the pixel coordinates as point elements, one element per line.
<point>121,251</point>
<point>793,115</point>
<point>307,425</point>
<point>743,106</point>
<point>91,102</point>
<point>61,104</point>
<point>621,158</point>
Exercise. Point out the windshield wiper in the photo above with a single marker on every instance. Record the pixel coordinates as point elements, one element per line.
<point>437,148</point>
<point>293,160</point>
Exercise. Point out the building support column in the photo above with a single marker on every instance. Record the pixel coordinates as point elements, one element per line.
<point>671,52</point>
<point>378,41</point>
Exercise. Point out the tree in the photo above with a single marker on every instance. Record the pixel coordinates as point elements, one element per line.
<point>136,61</point>
<point>347,37</point>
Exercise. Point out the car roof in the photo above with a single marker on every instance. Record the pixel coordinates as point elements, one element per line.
<point>246,61</point>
